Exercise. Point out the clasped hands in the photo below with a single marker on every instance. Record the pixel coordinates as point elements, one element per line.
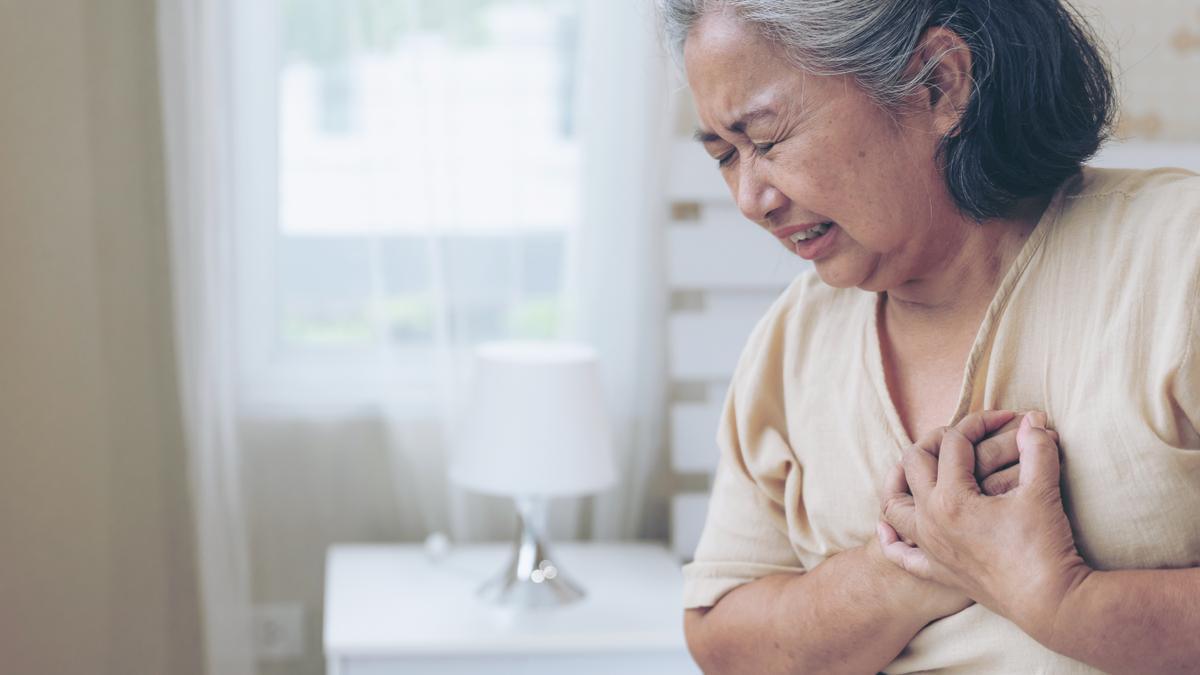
<point>1006,545</point>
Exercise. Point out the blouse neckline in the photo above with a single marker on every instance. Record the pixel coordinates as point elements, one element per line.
<point>981,347</point>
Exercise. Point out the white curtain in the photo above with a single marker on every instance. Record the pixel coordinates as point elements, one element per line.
<point>220,88</point>
<point>615,291</point>
<point>619,255</point>
<point>195,74</point>
<point>616,297</point>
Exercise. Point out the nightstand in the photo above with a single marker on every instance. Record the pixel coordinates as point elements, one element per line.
<point>394,609</point>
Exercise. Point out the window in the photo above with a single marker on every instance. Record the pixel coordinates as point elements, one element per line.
<point>428,181</point>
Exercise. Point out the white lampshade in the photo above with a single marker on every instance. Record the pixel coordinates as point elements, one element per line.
<point>536,425</point>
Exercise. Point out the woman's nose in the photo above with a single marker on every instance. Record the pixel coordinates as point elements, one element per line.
<point>758,198</point>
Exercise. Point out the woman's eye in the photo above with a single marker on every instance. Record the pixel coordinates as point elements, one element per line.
<point>764,148</point>
<point>726,159</point>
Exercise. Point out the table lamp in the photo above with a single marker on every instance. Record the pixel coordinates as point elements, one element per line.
<point>536,429</point>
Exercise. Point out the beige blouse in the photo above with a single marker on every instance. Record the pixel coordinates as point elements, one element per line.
<point>1095,323</point>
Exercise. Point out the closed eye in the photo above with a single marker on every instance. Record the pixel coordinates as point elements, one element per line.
<point>727,158</point>
<point>764,148</point>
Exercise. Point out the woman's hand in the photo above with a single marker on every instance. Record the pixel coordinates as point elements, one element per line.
<point>995,433</point>
<point>927,599</point>
<point>1014,553</point>
<point>996,456</point>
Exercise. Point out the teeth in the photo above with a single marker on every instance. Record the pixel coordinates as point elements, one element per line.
<point>811,233</point>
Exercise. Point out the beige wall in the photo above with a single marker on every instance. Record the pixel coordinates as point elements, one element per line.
<point>1156,57</point>
<point>96,568</point>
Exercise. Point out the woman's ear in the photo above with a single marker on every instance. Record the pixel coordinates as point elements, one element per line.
<point>948,84</point>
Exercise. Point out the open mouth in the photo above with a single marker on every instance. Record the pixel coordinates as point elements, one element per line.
<point>811,233</point>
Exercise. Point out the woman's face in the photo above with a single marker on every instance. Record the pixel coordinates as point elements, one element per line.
<point>798,150</point>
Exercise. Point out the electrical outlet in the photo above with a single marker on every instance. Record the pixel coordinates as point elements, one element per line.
<point>279,631</point>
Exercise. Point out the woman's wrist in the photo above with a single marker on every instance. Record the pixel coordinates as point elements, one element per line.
<point>908,597</point>
<point>1049,611</point>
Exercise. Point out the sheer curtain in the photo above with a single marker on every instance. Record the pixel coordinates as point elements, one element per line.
<point>618,258</point>
<point>363,190</point>
<point>195,81</point>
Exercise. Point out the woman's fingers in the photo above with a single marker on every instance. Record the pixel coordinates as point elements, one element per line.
<point>996,452</point>
<point>920,469</point>
<point>894,483</point>
<point>979,424</point>
<point>897,506</point>
<point>908,558</point>
<point>956,463</point>
<point>1039,465</point>
<point>991,463</point>
<point>900,512</point>
<point>999,452</point>
<point>1001,482</point>
<point>895,496</point>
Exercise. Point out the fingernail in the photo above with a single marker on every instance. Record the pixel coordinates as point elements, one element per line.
<point>1037,420</point>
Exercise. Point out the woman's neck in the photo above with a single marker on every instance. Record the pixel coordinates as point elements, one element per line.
<point>963,279</point>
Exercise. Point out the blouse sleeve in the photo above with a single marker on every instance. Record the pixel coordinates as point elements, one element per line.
<point>1187,378</point>
<point>745,531</point>
<point>1184,251</point>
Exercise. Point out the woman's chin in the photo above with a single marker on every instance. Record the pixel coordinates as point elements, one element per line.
<point>840,272</point>
<point>835,274</point>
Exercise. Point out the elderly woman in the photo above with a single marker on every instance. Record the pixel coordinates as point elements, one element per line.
<point>867,513</point>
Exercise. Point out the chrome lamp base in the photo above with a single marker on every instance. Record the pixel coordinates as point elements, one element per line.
<point>530,579</point>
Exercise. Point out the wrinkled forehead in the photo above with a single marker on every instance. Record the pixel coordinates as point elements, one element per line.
<point>734,72</point>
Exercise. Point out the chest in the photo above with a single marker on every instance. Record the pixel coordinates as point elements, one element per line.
<point>924,379</point>
<point>1131,489</point>
<point>924,401</point>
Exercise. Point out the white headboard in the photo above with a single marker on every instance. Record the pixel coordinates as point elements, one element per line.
<point>722,272</point>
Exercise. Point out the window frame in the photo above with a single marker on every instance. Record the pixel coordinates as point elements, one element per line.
<point>272,375</point>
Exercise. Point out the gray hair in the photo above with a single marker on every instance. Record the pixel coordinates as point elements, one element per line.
<point>870,40</point>
<point>1042,102</point>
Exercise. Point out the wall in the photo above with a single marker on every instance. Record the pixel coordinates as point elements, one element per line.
<point>1156,56</point>
<point>97,574</point>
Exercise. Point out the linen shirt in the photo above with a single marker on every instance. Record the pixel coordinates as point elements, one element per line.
<point>1095,322</point>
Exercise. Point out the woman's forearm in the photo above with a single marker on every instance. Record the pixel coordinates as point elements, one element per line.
<point>853,613</point>
<point>1131,621</point>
